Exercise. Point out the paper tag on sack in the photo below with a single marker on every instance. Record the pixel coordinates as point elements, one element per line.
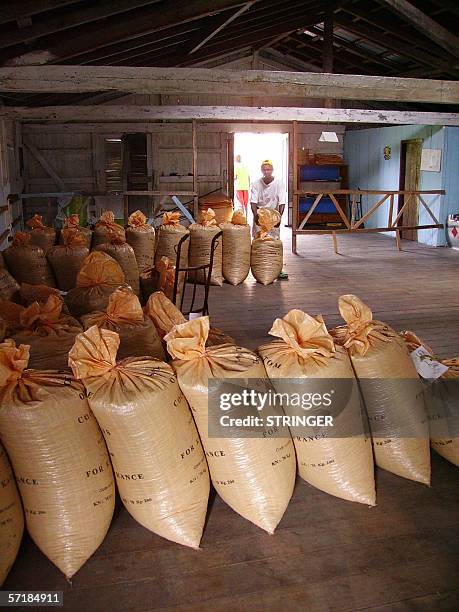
<point>426,365</point>
<point>194,315</point>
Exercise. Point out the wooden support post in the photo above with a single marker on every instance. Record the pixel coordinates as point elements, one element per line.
<point>295,197</point>
<point>391,209</point>
<point>353,209</point>
<point>397,239</point>
<point>195,170</point>
<point>335,242</point>
<point>327,49</point>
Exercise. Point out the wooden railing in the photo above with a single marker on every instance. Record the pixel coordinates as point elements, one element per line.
<point>351,223</point>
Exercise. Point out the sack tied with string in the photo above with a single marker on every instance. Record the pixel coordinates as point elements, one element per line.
<point>104,227</point>
<point>49,332</point>
<point>124,315</point>
<point>439,398</point>
<point>267,253</point>
<point>122,252</point>
<point>67,258</point>
<point>236,247</point>
<point>297,361</point>
<point>155,449</point>
<point>391,391</point>
<point>41,235</point>
<point>254,476</point>
<point>27,262</point>
<point>73,223</point>
<point>165,315</point>
<point>99,276</point>
<point>141,237</point>
<point>59,457</point>
<point>201,236</point>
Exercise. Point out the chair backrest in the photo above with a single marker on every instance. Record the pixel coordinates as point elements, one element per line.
<point>189,276</point>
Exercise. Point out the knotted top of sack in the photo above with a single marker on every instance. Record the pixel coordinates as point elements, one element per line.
<point>72,222</point>
<point>71,237</point>
<point>43,318</point>
<point>94,352</point>
<point>361,331</point>
<point>137,219</point>
<point>306,335</point>
<point>239,218</point>
<point>13,361</point>
<point>36,223</point>
<point>207,217</point>
<point>171,218</point>
<point>98,268</point>
<point>21,239</point>
<point>187,341</point>
<point>268,218</point>
<point>107,220</point>
<point>123,307</point>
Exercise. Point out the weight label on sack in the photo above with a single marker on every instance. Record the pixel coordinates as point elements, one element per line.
<point>426,366</point>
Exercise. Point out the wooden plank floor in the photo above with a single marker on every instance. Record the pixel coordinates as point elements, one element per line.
<point>327,554</point>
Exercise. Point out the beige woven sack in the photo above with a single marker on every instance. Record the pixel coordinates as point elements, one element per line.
<point>41,235</point>
<point>447,447</point>
<point>124,315</point>
<point>59,456</point>
<point>123,253</point>
<point>255,476</point>
<point>9,288</point>
<point>27,262</point>
<point>201,236</point>
<point>97,279</point>
<point>73,222</point>
<point>49,333</point>
<point>66,259</point>
<point>267,253</point>
<point>304,350</point>
<point>378,353</point>
<point>169,235</point>
<point>165,315</point>
<point>236,249</point>
<point>157,456</point>
<point>11,517</point>
<point>104,227</point>
<point>141,237</point>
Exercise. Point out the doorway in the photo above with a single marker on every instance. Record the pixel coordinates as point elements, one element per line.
<point>253,149</point>
<point>410,179</point>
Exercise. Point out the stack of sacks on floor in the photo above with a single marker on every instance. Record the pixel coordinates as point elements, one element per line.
<point>159,278</point>
<point>155,449</point>
<point>41,235</point>
<point>104,227</point>
<point>447,447</point>
<point>73,222</point>
<point>201,236</point>
<point>124,315</point>
<point>59,458</point>
<point>27,262</point>
<point>122,252</point>
<point>305,352</point>
<point>67,258</point>
<point>267,253</point>
<point>141,237</point>
<point>165,315</point>
<point>391,391</point>
<point>49,332</point>
<point>236,249</point>
<point>11,517</point>
<point>28,294</point>
<point>254,476</point>
<point>99,276</point>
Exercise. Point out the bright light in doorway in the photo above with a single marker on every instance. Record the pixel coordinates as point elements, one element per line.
<point>113,140</point>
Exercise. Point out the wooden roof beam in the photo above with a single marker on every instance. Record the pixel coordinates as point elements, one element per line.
<point>17,10</point>
<point>423,23</point>
<point>106,113</point>
<point>73,79</point>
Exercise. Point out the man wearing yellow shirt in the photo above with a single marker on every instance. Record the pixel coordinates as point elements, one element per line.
<point>242,183</point>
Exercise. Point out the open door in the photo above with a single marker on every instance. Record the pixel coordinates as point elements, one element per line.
<point>410,179</point>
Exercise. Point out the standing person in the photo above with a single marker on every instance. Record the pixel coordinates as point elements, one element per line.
<point>267,192</point>
<point>242,183</point>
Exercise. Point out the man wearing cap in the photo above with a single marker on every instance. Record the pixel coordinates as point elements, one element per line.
<point>267,192</point>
